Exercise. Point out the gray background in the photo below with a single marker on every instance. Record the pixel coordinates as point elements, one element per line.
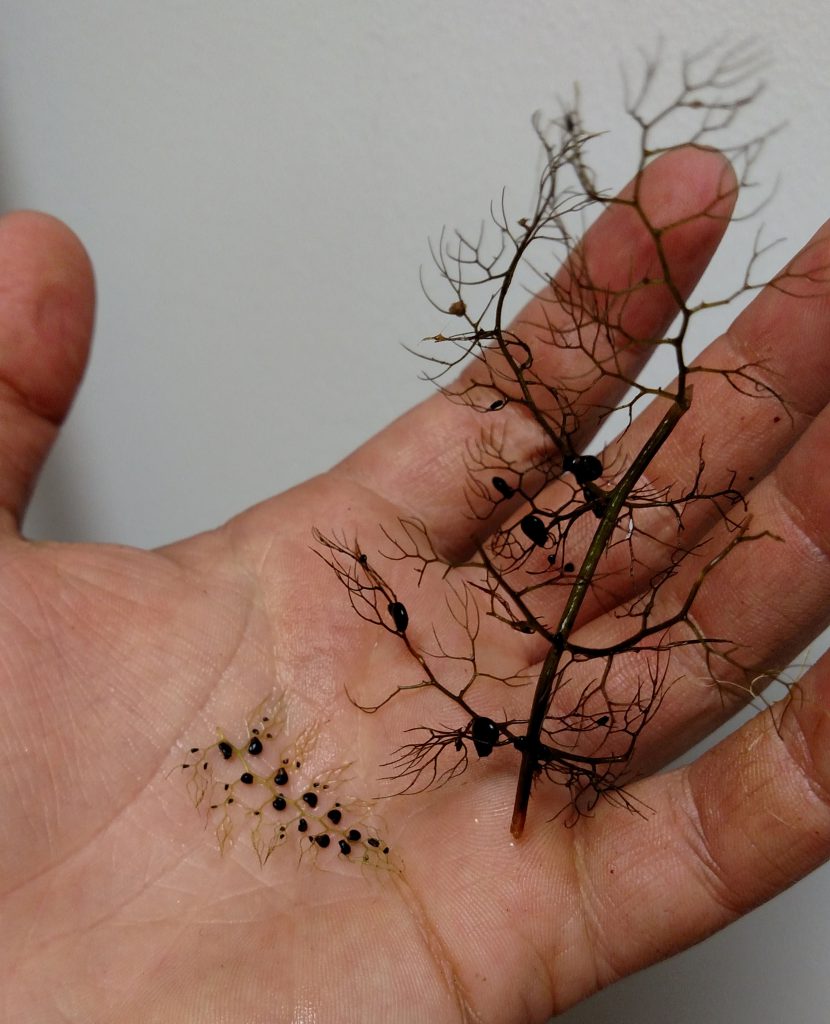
<point>256,182</point>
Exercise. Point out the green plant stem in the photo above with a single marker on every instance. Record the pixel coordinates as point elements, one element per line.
<point>544,685</point>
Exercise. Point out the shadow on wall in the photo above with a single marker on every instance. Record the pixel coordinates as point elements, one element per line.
<point>62,506</point>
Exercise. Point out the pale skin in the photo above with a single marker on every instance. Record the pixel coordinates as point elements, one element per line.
<point>116,904</point>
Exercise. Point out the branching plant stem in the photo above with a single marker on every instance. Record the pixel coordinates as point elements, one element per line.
<point>544,686</point>
<point>563,526</point>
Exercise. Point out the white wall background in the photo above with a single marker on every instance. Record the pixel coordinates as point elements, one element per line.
<point>256,181</point>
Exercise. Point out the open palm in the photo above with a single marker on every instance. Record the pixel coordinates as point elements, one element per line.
<point>116,904</point>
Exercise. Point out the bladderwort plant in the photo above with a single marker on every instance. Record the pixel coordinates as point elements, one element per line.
<point>569,531</point>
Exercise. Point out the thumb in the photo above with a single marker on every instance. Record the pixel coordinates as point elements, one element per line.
<point>47,301</point>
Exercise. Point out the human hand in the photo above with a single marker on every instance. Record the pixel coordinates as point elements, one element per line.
<point>117,906</point>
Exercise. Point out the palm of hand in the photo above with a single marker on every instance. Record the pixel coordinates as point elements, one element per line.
<point>109,864</point>
<point>115,901</point>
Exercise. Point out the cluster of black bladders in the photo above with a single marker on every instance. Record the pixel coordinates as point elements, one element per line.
<point>333,816</point>
<point>585,468</point>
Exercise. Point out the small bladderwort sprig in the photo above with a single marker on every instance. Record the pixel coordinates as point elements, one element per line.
<point>258,782</point>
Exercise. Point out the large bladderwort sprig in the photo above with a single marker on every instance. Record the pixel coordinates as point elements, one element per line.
<point>574,524</point>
